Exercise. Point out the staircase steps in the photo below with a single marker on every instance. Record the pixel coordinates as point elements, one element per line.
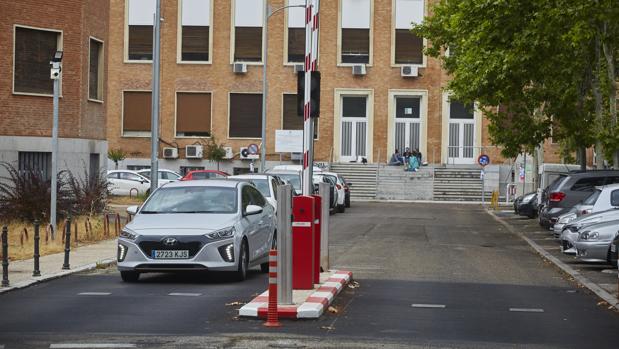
<point>361,177</point>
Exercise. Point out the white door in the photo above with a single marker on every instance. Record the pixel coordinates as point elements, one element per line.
<point>461,145</point>
<point>354,128</point>
<point>407,123</point>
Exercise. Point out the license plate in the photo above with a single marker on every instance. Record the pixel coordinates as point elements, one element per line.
<point>170,254</point>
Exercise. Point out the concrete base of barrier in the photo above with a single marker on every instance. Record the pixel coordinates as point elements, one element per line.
<point>308,304</point>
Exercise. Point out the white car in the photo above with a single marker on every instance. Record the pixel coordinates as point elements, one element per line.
<point>607,199</point>
<point>165,176</point>
<point>293,168</point>
<point>266,184</point>
<point>126,182</point>
<point>339,187</point>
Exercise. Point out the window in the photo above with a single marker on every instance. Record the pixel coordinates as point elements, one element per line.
<point>93,165</point>
<point>355,31</point>
<point>291,120</point>
<point>248,30</point>
<point>193,114</point>
<point>296,32</point>
<point>408,107</point>
<point>458,110</point>
<point>408,46</point>
<point>588,184</point>
<point>37,162</point>
<point>354,107</point>
<point>137,167</point>
<point>34,48</point>
<point>95,70</point>
<point>614,198</point>
<point>131,177</point>
<point>195,30</point>
<point>256,198</point>
<point>185,169</point>
<point>140,30</point>
<point>136,113</point>
<point>245,115</point>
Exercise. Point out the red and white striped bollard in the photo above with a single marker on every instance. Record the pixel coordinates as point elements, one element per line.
<point>272,316</point>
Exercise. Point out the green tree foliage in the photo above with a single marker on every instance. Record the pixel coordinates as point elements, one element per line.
<point>116,155</point>
<point>214,151</point>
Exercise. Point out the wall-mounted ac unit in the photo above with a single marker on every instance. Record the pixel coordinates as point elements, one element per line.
<point>299,68</point>
<point>409,71</point>
<point>245,155</point>
<point>359,69</point>
<point>170,153</point>
<point>239,68</point>
<point>193,152</point>
<point>229,153</point>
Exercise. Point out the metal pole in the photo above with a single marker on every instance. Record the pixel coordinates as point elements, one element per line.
<point>324,192</point>
<point>67,245</point>
<point>284,244</point>
<point>154,137</point>
<point>37,238</point>
<point>307,137</point>
<point>524,170</point>
<point>265,50</point>
<point>5,256</point>
<point>54,188</point>
<point>483,189</point>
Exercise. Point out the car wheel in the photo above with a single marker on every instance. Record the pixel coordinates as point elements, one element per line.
<point>130,276</point>
<point>241,272</point>
<point>274,243</point>
<point>347,202</point>
<point>341,208</point>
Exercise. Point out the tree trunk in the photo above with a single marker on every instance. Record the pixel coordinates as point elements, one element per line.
<point>582,158</point>
<point>609,54</point>
<point>597,93</point>
<point>116,165</point>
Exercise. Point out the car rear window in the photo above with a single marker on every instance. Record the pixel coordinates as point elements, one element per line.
<point>591,199</point>
<point>556,182</point>
<point>588,183</point>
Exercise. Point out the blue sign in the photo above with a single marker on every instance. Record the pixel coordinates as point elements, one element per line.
<point>483,160</point>
<point>252,149</point>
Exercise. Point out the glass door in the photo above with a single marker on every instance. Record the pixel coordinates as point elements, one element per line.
<point>353,128</point>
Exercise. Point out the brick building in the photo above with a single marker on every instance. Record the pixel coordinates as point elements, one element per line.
<point>368,106</point>
<point>31,31</point>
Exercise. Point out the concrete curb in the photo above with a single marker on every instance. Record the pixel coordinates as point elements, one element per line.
<point>581,279</point>
<point>44,278</point>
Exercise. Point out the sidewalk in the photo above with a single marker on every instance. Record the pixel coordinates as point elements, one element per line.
<point>82,258</point>
<point>599,278</point>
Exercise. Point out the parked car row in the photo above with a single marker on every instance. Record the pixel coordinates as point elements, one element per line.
<point>581,209</point>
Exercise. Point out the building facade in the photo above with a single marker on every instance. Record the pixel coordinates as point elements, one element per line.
<point>379,92</point>
<point>31,32</point>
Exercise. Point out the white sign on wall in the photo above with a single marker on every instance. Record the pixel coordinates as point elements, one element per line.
<point>288,141</point>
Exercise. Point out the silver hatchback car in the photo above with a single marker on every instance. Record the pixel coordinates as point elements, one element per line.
<point>219,225</point>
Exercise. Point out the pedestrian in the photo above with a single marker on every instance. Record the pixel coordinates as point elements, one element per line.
<point>396,159</point>
<point>418,156</point>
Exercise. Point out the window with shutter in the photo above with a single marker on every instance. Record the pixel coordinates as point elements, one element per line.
<point>245,115</point>
<point>34,49</point>
<point>408,46</point>
<point>140,29</point>
<point>195,30</point>
<point>136,113</point>
<point>193,114</point>
<point>248,30</point>
<point>296,32</point>
<point>290,119</point>
<point>39,163</point>
<point>355,20</point>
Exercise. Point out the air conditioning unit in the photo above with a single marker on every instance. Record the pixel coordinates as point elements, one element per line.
<point>229,153</point>
<point>193,152</point>
<point>245,155</point>
<point>409,71</point>
<point>299,68</point>
<point>239,68</point>
<point>170,153</point>
<point>359,69</point>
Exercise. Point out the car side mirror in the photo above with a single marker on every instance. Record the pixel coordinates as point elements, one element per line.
<point>132,210</point>
<point>252,210</point>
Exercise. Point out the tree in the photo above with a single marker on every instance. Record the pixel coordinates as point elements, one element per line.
<point>116,155</point>
<point>214,151</point>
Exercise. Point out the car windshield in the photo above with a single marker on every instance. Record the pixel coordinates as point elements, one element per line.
<point>294,179</point>
<point>263,186</point>
<point>591,199</point>
<point>192,200</point>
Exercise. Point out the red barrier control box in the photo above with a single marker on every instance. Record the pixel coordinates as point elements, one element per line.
<point>317,222</point>
<point>303,242</point>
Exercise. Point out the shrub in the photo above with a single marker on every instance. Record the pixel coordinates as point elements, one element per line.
<point>88,192</point>
<point>116,155</point>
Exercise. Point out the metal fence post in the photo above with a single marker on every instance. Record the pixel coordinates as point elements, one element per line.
<point>67,245</point>
<point>284,244</point>
<point>325,193</point>
<point>5,256</point>
<point>37,238</point>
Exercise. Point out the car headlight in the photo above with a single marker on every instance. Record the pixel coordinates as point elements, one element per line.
<point>221,233</point>
<point>567,218</point>
<point>589,235</point>
<point>128,234</point>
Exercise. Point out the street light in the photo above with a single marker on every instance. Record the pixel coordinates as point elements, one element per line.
<point>267,13</point>
<point>55,71</point>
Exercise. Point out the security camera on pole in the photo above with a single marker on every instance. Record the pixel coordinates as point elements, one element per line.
<point>55,74</point>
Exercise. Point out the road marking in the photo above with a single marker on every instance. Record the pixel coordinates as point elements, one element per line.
<point>527,310</point>
<point>90,345</point>
<point>185,294</point>
<point>436,306</point>
<point>94,294</point>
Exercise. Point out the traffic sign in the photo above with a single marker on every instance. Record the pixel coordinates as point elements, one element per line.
<point>252,149</point>
<point>483,160</point>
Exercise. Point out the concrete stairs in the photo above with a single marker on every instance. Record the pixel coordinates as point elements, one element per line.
<point>458,184</point>
<point>396,184</point>
<point>362,178</point>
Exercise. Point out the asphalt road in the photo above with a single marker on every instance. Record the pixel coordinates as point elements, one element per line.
<point>430,275</point>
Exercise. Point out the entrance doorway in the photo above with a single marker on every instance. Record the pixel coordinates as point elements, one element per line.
<point>354,127</point>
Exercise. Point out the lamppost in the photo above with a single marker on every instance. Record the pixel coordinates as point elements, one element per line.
<point>267,13</point>
<point>154,137</point>
<point>55,71</point>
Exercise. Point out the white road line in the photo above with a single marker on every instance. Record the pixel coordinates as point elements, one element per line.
<point>90,345</point>
<point>94,294</point>
<point>436,306</point>
<point>527,310</point>
<point>185,294</point>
